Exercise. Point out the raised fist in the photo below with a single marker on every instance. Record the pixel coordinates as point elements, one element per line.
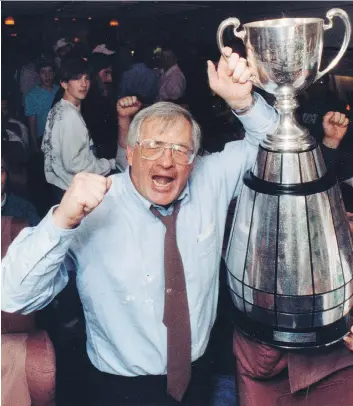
<point>85,193</point>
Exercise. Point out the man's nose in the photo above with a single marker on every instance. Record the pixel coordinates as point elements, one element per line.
<point>166,159</point>
<point>84,82</point>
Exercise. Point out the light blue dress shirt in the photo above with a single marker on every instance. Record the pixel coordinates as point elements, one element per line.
<point>120,253</point>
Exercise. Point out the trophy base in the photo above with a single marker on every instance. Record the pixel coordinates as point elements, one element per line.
<point>293,339</point>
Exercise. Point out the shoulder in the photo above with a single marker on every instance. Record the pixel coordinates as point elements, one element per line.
<point>63,110</point>
<point>20,202</point>
<point>22,208</point>
<point>32,94</point>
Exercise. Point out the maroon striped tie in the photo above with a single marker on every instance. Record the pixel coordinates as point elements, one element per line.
<point>176,310</point>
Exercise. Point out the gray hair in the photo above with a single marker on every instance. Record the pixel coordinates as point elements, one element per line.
<point>167,112</point>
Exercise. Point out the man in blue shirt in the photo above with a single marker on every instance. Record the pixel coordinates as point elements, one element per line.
<point>38,101</point>
<point>119,243</point>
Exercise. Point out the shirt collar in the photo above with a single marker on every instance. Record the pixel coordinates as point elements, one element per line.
<point>146,204</point>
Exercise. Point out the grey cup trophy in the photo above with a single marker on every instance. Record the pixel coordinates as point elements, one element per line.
<point>290,253</point>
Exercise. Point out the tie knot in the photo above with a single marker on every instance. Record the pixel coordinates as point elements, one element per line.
<point>167,220</point>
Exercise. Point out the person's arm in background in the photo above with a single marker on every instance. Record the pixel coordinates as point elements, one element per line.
<point>335,126</point>
<point>126,108</point>
<point>30,113</point>
<point>76,154</point>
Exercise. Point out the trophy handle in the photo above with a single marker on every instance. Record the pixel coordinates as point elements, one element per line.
<point>224,24</point>
<point>337,12</point>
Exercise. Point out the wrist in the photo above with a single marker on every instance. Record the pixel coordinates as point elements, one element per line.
<point>124,120</point>
<point>331,142</point>
<point>62,221</point>
<point>242,105</point>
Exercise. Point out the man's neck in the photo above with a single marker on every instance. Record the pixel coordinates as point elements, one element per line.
<point>72,100</point>
<point>47,88</point>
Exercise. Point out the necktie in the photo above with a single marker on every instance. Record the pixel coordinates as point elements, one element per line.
<point>176,311</point>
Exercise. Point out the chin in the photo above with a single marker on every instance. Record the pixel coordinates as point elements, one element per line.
<point>162,200</point>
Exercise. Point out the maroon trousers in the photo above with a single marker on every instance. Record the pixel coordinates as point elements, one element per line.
<point>268,376</point>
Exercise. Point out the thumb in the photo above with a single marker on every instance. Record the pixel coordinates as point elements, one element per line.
<point>328,116</point>
<point>212,74</point>
<point>108,184</point>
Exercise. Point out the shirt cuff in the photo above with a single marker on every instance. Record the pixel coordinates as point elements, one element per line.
<point>53,229</point>
<point>262,118</point>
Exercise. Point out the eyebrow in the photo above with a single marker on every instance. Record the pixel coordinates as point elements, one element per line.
<point>175,143</point>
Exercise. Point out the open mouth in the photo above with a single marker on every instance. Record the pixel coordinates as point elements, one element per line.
<point>162,181</point>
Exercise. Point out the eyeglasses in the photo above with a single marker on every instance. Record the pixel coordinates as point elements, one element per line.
<point>152,150</point>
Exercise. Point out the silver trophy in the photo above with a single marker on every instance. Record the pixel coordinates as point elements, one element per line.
<point>290,253</point>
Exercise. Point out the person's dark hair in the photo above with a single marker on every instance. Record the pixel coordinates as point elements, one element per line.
<point>144,53</point>
<point>97,62</point>
<point>43,63</point>
<point>73,69</point>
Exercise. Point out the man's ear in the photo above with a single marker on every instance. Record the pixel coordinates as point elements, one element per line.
<point>63,84</point>
<point>129,154</point>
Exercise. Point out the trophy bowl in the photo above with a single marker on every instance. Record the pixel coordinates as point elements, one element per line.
<point>285,53</point>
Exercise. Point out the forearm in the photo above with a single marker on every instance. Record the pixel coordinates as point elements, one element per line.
<point>32,273</point>
<point>330,156</point>
<point>123,129</point>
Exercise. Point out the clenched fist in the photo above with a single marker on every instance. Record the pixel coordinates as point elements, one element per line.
<point>128,106</point>
<point>335,126</point>
<point>231,79</point>
<point>85,193</point>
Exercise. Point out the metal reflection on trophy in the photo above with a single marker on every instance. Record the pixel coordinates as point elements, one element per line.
<point>290,254</point>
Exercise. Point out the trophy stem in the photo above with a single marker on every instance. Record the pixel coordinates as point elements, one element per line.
<point>289,136</point>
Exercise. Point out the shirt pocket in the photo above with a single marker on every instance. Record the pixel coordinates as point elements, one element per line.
<point>207,241</point>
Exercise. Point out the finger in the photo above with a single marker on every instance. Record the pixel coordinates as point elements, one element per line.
<point>212,74</point>
<point>227,51</point>
<point>239,70</point>
<point>342,120</point>
<point>223,61</point>
<point>108,184</point>
<point>336,117</point>
<point>233,61</point>
<point>328,116</point>
<point>246,76</point>
<point>93,196</point>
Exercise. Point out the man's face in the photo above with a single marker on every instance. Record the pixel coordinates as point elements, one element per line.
<point>63,51</point>
<point>168,59</point>
<point>161,181</point>
<point>46,76</point>
<point>105,75</point>
<point>76,90</point>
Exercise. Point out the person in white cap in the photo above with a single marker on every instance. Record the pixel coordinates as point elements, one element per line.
<point>62,48</point>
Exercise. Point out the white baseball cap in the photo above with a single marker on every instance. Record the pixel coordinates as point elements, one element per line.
<point>102,49</point>
<point>62,42</point>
